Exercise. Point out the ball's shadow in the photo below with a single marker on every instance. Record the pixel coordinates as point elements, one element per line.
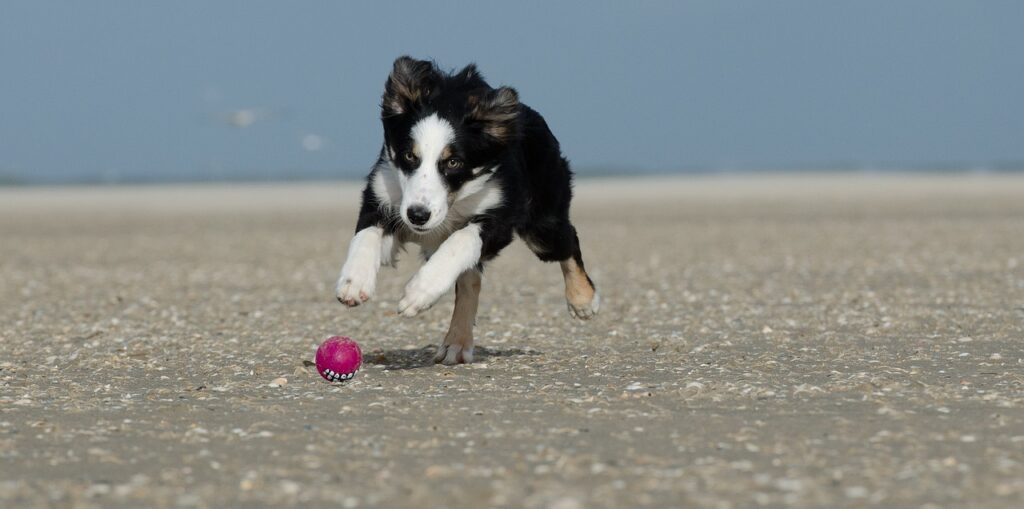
<point>412,358</point>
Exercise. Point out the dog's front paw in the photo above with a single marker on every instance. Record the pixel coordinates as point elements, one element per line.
<point>420,294</point>
<point>583,309</point>
<point>355,287</point>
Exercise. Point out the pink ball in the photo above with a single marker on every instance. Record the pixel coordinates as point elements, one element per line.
<point>338,359</point>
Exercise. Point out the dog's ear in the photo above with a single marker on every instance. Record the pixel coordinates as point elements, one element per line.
<point>496,111</point>
<point>410,82</point>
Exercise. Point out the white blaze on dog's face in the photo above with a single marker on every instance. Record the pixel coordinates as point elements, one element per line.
<point>425,195</point>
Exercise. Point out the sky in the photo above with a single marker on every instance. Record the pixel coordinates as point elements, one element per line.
<point>110,91</point>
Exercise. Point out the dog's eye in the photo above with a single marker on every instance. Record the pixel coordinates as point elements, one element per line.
<point>453,163</point>
<point>409,156</point>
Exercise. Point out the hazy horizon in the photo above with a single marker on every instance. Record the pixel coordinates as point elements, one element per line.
<point>126,92</point>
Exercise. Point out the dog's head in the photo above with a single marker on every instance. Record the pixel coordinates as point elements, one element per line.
<point>445,134</point>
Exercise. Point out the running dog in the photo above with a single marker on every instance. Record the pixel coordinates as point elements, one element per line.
<point>463,167</point>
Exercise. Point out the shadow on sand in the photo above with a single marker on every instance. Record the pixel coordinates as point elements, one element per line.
<point>412,358</point>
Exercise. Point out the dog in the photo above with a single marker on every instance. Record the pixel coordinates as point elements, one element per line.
<point>463,167</point>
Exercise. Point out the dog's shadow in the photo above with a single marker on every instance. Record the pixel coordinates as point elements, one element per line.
<point>413,358</point>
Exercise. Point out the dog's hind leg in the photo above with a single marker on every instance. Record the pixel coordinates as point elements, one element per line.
<point>457,346</point>
<point>580,294</point>
<point>557,241</point>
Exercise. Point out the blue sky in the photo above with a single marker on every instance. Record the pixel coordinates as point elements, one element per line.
<point>143,90</point>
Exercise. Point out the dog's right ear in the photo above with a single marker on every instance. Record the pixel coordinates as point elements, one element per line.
<point>411,81</point>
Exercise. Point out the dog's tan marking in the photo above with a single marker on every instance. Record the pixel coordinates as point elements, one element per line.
<point>446,153</point>
<point>579,291</point>
<point>458,343</point>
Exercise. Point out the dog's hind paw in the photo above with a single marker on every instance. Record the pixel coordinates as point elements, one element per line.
<point>451,354</point>
<point>585,310</point>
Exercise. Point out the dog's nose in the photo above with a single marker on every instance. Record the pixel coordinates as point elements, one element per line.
<point>418,215</point>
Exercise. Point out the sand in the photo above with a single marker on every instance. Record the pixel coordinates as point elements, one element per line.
<point>797,340</point>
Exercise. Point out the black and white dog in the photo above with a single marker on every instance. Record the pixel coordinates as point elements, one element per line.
<point>463,167</point>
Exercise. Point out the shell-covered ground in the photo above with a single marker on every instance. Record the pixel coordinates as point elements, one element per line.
<point>802,340</point>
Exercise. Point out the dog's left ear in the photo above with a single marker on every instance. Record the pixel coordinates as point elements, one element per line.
<point>410,83</point>
<point>497,111</point>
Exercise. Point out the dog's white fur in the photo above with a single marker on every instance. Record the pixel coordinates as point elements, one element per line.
<point>425,187</point>
<point>358,278</point>
<point>457,254</point>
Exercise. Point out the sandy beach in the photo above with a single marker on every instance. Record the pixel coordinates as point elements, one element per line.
<point>797,340</point>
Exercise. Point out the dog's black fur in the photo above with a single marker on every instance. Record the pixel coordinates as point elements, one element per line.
<point>494,130</point>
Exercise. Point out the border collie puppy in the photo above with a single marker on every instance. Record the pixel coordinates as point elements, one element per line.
<point>464,166</point>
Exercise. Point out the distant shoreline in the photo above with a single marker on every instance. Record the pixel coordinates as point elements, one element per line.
<point>583,174</point>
